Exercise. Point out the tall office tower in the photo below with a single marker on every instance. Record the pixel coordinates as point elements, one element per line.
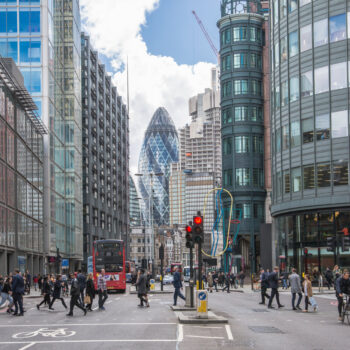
<point>21,175</point>
<point>159,150</point>
<point>105,154</point>
<point>43,38</point>
<point>242,42</point>
<point>310,132</point>
<point>134,205</point>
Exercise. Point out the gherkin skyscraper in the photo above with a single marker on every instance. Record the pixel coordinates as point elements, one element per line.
<point>159,150</point>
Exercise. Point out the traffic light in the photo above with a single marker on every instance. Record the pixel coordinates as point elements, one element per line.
<point>345,243</point>
<point>197,228</point>
<point>189,237</point>
<point>331,244</point>
<point>306,251</point>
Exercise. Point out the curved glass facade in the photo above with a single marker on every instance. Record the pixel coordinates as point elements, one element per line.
<point>160,148</point>
<point>309,123</point>
<point>134,211</point>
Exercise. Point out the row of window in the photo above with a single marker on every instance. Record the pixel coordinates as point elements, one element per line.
<point>241,87</point>
<point>311,176</point>
<point>242,113</point>
<point>280,7</point>
<point>324,31</point>
<point>241,33</point>
<point>243,144</point>
<point>320,128</point>
<point>245,177</point>
<point>248,211</point>
<point>241,60</point>
<point>322,79</point>
<point>28,20</point>
<point>29,50</point>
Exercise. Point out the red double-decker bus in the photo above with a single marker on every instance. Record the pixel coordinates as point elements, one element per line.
<point>109,255</point>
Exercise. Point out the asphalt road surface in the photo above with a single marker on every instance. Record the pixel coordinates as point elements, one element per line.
<point>125,326</point>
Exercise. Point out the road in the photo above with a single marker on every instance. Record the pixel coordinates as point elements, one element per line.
<point>125,326</point>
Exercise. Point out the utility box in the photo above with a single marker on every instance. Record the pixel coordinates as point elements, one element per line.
<point>202,303</point>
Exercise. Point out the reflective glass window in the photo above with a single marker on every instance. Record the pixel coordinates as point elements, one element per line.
<point>337,28</point>
<point>240,60</point>
<point>226,37</point>
<point>338,76</point>
<point>285,137</point>
<point>323,175</point>
<point>284,93</point>
<point>277,97</point>
<point>30,51</point>
<point>292,5</point>
<point>296,179</point>
<point>255,60</point>
<point>226,89</point>
<point>12,20</point>
<point>321,32</point>
<point>340,173</point>
<point>283,8</point>
<point>277,55</point>
<point>286,181</point>
<point>308,130</point>
<point>293,44</point>
<point>241,87</point>
<point>304,2</point>
<point>239,33</point>
<point>278,140</point>
<point>256,114</point>
<point>228,177</point>
<point>279,184</point>
<point>226,63</point>
<point>339,124</point>
<point>306,83</point>
<point>294,89</point>
<point>321,80</point>
<point>258,177</point>
<point>305,38</point>
<point>275,11</point>
<point>256,87</point>
<point>226,116</point>
<point>258,144</point>
<point>255,34</point>
<point>322,127</point>
<point>242,144</point>
<point>284,50</point>
<point>242,177</point>
<point>2,20</point>
<point>241,113</point>
<point>11,49</point>
<point>247,210</point>
<point>227,145</point>
<point>29,20</point>
<point>309,177</point>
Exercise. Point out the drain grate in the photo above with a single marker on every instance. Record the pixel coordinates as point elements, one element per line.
<point>260,310</point>
<point>264,329</point>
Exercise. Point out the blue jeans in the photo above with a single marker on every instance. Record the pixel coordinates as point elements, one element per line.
<point>178,293</point>
<point>284,283</point>
<point>4,297</point>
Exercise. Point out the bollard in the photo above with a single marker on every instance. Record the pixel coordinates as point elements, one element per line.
<point>202,303</point>
<point>188,296</point>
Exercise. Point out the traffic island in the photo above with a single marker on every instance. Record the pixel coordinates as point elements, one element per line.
<point>183,308</point>
<point>192,318</point>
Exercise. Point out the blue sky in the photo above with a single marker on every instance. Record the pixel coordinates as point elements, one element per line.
<point>172,30</point>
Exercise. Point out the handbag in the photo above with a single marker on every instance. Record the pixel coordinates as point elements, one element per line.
<point>87,299</point>
<point>312,301</point>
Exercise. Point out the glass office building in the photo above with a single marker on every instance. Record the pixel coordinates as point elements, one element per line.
<point>43,38</point>
<point>310,131</point>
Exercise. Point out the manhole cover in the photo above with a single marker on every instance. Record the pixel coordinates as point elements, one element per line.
<point>263,329</point>
<point>259,310</point>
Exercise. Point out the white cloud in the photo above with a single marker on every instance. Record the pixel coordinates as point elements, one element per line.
<point>115,30</point>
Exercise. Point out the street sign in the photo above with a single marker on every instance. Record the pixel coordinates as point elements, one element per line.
<point>202,304</point>
<point>210,261</point>
<point>65,263</point>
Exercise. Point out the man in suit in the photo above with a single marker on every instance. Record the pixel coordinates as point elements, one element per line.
<point>82,285</point>
<point>17,293</point>
<point>177,285</point>
<point>273,283</point>
<point>295,284</point>
<point>264,285</point>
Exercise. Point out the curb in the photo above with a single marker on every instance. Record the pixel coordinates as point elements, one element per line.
<point>212,319</point>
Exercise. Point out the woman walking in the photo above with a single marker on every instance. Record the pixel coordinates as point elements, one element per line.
<point>210,282</point>
<point>307,288</point>
<point>90,291</point>
<point>6,294</point>
<point>57,287</point>
<point>141,287</point>
<point>46,291</point>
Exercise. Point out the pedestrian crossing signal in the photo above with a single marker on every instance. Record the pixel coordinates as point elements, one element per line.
<point>189,238</point>
<point>198,233</point>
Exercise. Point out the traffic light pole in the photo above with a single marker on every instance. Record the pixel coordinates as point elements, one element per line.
<point>200,264</point>
<point>191,275</point>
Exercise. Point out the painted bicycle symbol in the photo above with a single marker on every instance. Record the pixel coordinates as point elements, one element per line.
<point>45,332</point>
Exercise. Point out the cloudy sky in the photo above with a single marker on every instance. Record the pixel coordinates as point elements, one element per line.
<point>169,58</point>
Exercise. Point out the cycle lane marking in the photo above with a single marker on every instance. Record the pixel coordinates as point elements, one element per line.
<point>26,346</point>
<point>93,324</point>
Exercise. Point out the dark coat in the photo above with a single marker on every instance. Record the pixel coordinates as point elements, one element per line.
<point>82,281</point>
<point>141,284</point>
<point>75,288</point>
<point>177,280</point>
<point>57,289</point>
<point>46,288</point>
<point>90,289</point>
<point>265,280</point>
<point>17,284</point>
<point>273,280</point>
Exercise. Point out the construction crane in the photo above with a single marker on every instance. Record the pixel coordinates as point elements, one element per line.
<point>216,52</point>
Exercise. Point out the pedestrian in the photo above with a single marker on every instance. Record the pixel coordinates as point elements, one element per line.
<point>46,291</point>
<point>227,283</point>
<point>177,283</point>
<point>210,282</point>
<point>57,288</point>
<point>295,285</point>
<point>329,278</point>
<point>102,290</point>
<point>215,281</point>
<point>29,281</point>
<point>40,283</point>
<point>17,293</point>
<point>90,291</point>
<point>285,276</point>
<point>342,287</point>
<point>307,288</point>
<point>241,277</point>
<point>336,273</point>
<point>6,291</point>
<point>82,285</point>
<point>264,284</point>
<point>141,284</point>
<point>35,282</point>
<point>273,284</point>
<point>75,295</point>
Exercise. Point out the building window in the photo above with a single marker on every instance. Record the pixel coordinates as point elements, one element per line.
<point>247,210</point>
<point>305,38</point>
<point>29,20</point>
<point>292,5</point>
<point>277,97</point>
<point>294,89</point>
<point>338,76</point>
<point>228,177</point>
<point>284,89</point>
<point>258,146</point>
<point>278,140</point>
<point>321,80</point>
<point>323,175</point>
<point>277,55</point>
<point>322,127</point>
<point>226,63</point>
<point>296,179</point>
<point>256,87</point>
<point>283,8</point>
<point>339,124</point>
<point>258,210</point>
<point>226,89</point>
<point>308,130</point>
<point>242,177</point>
<point>227,145</point>
<point>279,184</point>
<point>242,144</point>
<point>306,84</point>
<point>256,114</point>
<point>284,53</point>
<point>240,60</point>
<point>309,177</point>
<point>275,11</point>
<point>241,113</point>
<point>340,173</point>
<point>258,177</point>
<point>337,28</point>
<point>303,2</point>
<point>226,37</point>
<point>321,32</point>
<point>255,34</point>
<point>255,60</point>
<point>293,44</point>
<point>241,87</point>
<point>239,33</point>
<point>226,116</point>
<point>285,137</point>
<point>286,181</point>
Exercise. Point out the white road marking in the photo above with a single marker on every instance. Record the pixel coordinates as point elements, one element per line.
<point>27,346</point>
<point>204,327</point>
<point>93,341</point>
<point>229,332</point>
<point>204,337</point>
<point>93,324</point>
<point>180,333</point>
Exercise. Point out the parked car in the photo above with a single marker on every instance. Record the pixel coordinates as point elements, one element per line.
<point>168,279</point>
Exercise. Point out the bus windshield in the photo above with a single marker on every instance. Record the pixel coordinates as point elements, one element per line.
<point>109,256</point>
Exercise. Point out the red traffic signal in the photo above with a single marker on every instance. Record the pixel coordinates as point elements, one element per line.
<point>306,251</point>
<point>197,220</point>
<point>188,229</point>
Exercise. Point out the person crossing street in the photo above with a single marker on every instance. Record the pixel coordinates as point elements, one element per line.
<point>46,290</point>
<point>295,284</point>
<point>177,283</point>
<point>264,285</point>
<point>273,283</point>
<point>75,294</point>
<point>17,293</point>
<point>102,290</point>
<point>57,292</point>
